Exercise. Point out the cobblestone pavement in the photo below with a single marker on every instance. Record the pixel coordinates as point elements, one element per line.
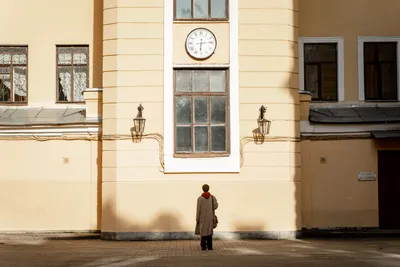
<point>93,253</point>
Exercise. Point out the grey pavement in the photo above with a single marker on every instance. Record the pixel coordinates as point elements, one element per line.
<point>92,253</point>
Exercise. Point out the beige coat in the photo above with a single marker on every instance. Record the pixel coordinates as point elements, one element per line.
<point>204,216</point>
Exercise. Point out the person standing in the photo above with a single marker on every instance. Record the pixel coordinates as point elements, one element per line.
<point>206,206</point>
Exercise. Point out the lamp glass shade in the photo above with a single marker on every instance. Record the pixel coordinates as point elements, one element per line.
<point>263,126</point>
<point>139,124</point>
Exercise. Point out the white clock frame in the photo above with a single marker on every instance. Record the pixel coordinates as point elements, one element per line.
<point>192,53</point>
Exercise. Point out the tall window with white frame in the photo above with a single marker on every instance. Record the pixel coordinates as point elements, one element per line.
<point>380,71</point>
<point>72,72</point>
<point>201,98</point>
<point>13,74</point>
<point>321,71</point>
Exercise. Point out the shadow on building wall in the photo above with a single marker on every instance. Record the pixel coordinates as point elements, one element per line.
<point>97,82</point>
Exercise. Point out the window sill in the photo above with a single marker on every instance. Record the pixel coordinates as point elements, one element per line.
<point>381,101</point>
<point>324,101</point>
<point>225,21</point>
<point>201,155</point>
<point>67,102</point>
<point>13,103</point>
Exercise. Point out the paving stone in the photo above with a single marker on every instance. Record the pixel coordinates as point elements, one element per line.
<point>92,253</point>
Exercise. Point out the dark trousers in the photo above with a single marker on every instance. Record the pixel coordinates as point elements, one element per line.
<point>206,242</point>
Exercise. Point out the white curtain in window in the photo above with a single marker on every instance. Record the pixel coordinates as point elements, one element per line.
<point>7,82</point>
<point>80,82</point>
<point>5,58</point>
<point>64,76</point>
<point>19,80</point>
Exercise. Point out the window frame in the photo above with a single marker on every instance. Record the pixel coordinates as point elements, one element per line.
<point>340,64</point>
<point>231,164</point>
<point>203,19</point>
<point>19,103</point>
<point>361,64</point>
<point>207,94</point>
<point>72,65</point>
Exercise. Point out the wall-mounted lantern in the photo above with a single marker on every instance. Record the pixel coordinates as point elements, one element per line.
<point>139,122</point>
<point>263,124</point>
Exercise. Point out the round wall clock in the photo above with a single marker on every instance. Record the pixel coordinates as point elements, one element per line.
<point>201,43</point>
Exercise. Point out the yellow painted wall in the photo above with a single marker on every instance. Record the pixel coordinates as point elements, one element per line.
<point>349,19</point>
<point>38,191</point>
<point>42,25</point>
<point>137,196</point>
<point>49,185</point>
<point>332,194</point>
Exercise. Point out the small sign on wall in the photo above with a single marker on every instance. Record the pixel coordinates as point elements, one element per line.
<point>367,176</point>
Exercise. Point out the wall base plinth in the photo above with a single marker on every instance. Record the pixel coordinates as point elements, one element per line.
<point>156,236</point>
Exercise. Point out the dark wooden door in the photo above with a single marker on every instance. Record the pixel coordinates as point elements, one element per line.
<point>389,189</point>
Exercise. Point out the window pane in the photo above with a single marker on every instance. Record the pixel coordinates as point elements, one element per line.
<point>19,83</point>
<point>5,58</point>
<point>369,52</point>
<point>217,81</point>
<point>329,81</point>
<point>389,81</point>
<point>19,50</point>
<point>64,83</point>
<point>218,8</point>
<point>183,139</point>
<point>311,80</point>
<point>64,59</point>
<point>201,139</point>
<point>201,110</point>
<point>183,9</point>
<point>6,50</point>
<point>218,109</point>
<point>183,80</point>
<point>183,110</point>
<point>201,9</point>
<point>320,52</point>
<point>218,138</point>
<point>371,82</point>
<point>80,82</point>
<point>19,59</point>
<point>81,55</point>
<point>5,84</point>
<point>387,51</point>
<point>200,81</point>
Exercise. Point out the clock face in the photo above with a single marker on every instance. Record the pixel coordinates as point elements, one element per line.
<point>201,43</point>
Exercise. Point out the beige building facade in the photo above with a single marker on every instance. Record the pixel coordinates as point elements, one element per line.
<point>75,85</point>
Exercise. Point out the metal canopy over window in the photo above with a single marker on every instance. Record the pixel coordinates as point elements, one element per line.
<point>386,134</point>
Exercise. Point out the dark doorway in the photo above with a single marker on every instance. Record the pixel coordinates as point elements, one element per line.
<point>389,189</point>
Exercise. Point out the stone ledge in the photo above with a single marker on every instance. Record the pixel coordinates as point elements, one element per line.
<point>350,232</point>
<point>49,235</point>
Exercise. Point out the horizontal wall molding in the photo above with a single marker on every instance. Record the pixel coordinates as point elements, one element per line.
<point>54,131</point>
<point>308,128</point>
